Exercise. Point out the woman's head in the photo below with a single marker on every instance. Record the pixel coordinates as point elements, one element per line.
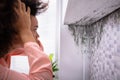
<point>8,18</point>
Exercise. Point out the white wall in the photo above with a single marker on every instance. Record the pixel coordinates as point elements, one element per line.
<point>70,57</point>
<point>105,58</point>
<point>102,63</point>
<point>85,12</point>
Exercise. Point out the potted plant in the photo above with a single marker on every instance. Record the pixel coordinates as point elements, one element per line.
<point>54,64</point>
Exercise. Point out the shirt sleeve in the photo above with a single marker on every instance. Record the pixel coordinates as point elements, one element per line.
<point>40,66</point>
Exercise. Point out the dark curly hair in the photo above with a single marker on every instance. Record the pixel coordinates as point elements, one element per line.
<point>8,17</point>
<point>36,6</point>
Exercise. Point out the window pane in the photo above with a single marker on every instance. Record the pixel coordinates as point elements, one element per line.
<point>47,27</point>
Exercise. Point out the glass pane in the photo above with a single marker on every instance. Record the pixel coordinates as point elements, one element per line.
<point>47,27</point>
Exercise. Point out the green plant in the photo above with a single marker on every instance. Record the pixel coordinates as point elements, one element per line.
<point>54,63</point>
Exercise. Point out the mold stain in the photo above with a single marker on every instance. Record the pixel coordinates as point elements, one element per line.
<point>88,37</point>
<point>94,11</point>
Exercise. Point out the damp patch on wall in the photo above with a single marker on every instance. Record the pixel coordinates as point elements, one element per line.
<point>102,41</point>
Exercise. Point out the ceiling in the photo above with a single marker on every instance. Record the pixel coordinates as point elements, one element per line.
<point>85,12</point>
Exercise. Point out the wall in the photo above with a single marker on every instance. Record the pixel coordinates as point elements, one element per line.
<point>104,60</point>
<point>99,43</point>
<point>70,57</point>
<point>84,12</point>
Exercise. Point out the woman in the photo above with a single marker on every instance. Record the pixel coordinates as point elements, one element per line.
<point>18,38</point>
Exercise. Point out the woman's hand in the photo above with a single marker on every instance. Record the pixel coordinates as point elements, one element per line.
<point>23,23</point>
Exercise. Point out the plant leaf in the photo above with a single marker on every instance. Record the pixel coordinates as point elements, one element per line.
<point>56,69</point>
<point>54,66</point>
<point>51,57</point>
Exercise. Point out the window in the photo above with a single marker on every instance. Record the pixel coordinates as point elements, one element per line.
<point>47,28</point>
